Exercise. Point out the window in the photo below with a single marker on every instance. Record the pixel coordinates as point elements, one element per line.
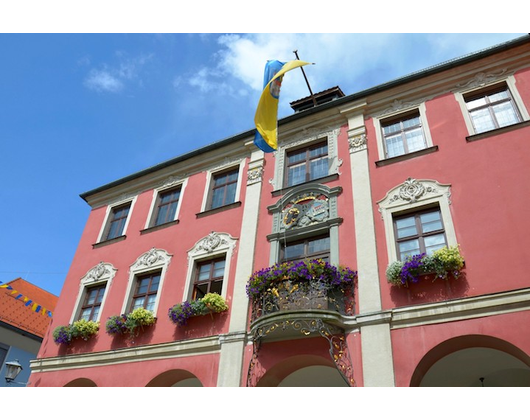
<point>224,187</point>
<point>3,353</point>
<point>492,108</point>
<point>312,248</point>
<point>307,164</point>
<point>92,303</point>
<point>403,134</point>
<point>145,292</point>
<point>117,220</point>
<point>166,206</point>
<point>421,232</point>
<point>209,277</point>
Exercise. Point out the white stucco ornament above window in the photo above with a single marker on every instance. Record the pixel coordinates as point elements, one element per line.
<point>101,272</point>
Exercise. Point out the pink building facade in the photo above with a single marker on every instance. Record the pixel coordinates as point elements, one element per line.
<point>435,160</point>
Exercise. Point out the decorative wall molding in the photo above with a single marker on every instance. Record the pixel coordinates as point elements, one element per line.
<point>213,242</point>
<point>151,259</point>
<point>483,79</point>
<point>254,175</point>
<point>102,272</point>
<point>357,143</point>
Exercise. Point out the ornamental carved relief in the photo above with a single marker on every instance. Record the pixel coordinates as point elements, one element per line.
<point>482,79</point>
<point>411,191</point>
<point>101,272</point>
<point>305,209</point>
<point>357,143</point>
<point>254,175</point>
<point>153,257</point>
<point>211,242</point>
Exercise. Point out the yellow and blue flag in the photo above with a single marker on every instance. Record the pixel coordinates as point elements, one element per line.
<point>266,118</point>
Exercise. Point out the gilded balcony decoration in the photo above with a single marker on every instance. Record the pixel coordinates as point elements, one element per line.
<point>303,285</point>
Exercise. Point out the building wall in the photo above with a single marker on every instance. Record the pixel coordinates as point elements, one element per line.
<point>396,333</point>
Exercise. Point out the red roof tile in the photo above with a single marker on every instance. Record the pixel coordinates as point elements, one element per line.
<point>14,312</point>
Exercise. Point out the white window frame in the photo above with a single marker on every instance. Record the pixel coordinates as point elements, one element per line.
<point>381,149</point>
<point>108,214</point>
<point>212,246</point>
<point>102,273</point>
<point>209,182</point>
<point>151,217</point>
<point>150,261</point>
<point>510,84</point>
<point>414,195</point>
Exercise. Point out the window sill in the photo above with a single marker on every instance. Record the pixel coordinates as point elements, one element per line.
<point>497,131</point>
<point>158,227</point>
<point>218,209</point>
<point>109,241</point>
<point>322,180</point>
<point>406,156</point>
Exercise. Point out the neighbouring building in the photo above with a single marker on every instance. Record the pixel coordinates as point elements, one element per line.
<point>22,329</point>
<point>420,187</point>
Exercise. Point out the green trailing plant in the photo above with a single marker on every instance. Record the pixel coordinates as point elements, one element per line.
<point>130,323</point>
<point>442,263</point>
<point>65,334</point>
<point>209,303</point>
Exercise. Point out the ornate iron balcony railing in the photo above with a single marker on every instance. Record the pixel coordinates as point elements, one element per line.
<point>311,295</point>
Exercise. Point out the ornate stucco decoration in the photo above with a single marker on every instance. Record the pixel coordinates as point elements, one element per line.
<point>254,175</point>
<point>357,143</point>
<point>212,244</point>
<point>482,79</point>
<point>414,191</point>
<point>411,190</point>
<point>152,258</point>
<point>309,205</point>
<point>305,209</point>
<point>101,272</point>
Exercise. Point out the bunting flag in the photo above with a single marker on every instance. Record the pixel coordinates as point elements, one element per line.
<point>266,118</point>
<point>35,307</point>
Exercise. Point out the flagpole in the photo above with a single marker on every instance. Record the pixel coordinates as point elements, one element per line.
<point>305,77</point>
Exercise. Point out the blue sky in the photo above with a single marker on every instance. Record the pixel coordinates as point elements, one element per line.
<point>78,111</point>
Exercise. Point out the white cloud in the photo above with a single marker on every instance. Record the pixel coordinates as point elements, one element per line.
<point>353,61</point>
<point>103,81</point>
<point>114,78</point>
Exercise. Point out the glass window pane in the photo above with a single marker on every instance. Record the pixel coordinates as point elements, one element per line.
<point>318,151</point>
<point>482,120</point>
<point>319,168</point>
<point>394,145</point>
<point>415,140</point>
<point>150,303</point>
<point>505,114</point>
<point>219,269</point>
<point>296,174</point>
<point>162,215</point>
<point>154,284</point>
<point>294,251</point>
<point>95,314</point>
<point>318,245</point>
<point>204,272</point>
<point>411,122</point>
<point>499,96</point>
<point>434,242</point>
<point>475,103</point>
<point>216,287</point>
<point>217,198</point>
<point>406,227</point>
<point>200,290</point>
<point>85,314</point>
<point>142,286</point>
<point>230,196</point>
<point>407,248</point>
<point>392,128</point>
<point>138,302</point>
<point>296,157</point>
<point>431,221</point>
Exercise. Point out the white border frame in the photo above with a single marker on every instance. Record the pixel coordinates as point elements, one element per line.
<point>156,194</point>
<point>209,178</point>
<point>108,212</point>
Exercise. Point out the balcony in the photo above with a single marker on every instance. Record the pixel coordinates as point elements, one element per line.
<point>309,298</point>
<point>302,290</point>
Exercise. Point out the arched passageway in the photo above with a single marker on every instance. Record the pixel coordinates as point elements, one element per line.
<point>176,378</point>
<point>80,382</point>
